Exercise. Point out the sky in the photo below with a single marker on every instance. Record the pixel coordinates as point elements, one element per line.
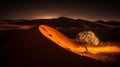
<point>78,9</point>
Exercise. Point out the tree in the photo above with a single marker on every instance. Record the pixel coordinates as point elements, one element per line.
<point>87,37</point>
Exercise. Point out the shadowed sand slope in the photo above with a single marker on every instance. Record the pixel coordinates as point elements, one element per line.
<point>30,48</point>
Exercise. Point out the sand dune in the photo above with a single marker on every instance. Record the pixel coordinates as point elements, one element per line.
<point>31,48</point>
<point>6,26</point>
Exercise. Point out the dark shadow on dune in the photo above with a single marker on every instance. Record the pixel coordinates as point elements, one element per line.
<point>30,48</point>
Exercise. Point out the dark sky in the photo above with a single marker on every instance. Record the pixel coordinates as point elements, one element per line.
<point>84,9</point>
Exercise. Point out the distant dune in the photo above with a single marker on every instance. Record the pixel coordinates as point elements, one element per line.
<point>68,26</point>
<point>8,26</point>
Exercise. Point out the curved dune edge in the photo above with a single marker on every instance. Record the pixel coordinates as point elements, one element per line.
<point>103,53</point>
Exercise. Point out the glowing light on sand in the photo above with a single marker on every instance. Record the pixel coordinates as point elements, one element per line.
<point>100,49</point>
<point>101,52</point>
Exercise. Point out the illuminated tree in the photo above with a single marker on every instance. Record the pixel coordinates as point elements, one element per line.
<point>87,37</point>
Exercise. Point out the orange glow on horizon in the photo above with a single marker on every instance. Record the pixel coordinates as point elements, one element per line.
<point>46,17</point>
